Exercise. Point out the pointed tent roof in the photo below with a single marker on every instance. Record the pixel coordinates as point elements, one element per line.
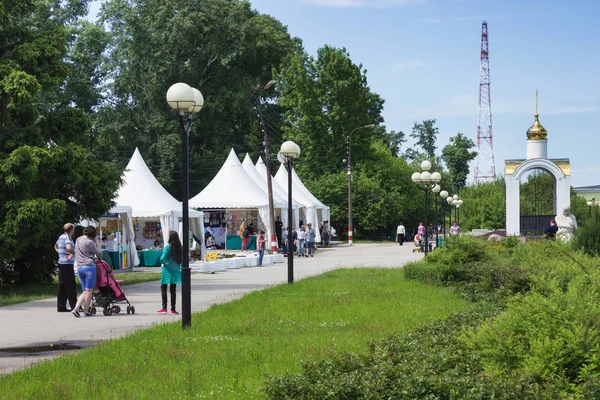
<point>144,194</point>
<point>261,168</point>
<point>299,191</point>
<point>232,187</point>
<point>248,165</point>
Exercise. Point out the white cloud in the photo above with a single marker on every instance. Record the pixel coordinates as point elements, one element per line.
<point>363,3</point>
<point>404,65</point>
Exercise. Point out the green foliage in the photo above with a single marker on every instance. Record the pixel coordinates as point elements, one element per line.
<point>485,206</point>
<point>47,177</point>
<point>587,238</point>
<point>425,135</point>
<point>456,156</point>
<point>537,194</point>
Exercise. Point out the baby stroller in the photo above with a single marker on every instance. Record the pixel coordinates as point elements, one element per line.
<point>418,243</point>
<point>108,291</point>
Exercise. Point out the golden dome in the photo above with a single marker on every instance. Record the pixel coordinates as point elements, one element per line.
<point>537,131</point>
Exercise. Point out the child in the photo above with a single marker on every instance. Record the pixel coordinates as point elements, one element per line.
<point>261,247</point>
<point>171,271</point>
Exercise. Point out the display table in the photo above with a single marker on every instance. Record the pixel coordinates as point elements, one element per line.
<point>234,242</point>
<point>150,258</point>
<point>112,259</point>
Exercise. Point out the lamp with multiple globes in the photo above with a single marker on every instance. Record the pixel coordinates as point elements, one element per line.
<point>426,181</point>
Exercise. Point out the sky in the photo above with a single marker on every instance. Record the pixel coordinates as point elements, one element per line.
<point>423,58</point>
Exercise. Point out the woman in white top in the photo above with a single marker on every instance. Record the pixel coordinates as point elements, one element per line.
<point>301,240</point>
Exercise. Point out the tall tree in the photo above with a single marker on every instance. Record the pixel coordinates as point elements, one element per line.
<point>224,48</point>
<point>47,176</point>
<point>326,98</point>
<point>425,135</point>
<point>457,155</point>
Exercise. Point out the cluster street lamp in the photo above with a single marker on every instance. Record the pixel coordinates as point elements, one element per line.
<point>436,190</point>
<point>290,150</point>
<point>425,181</point>
<point>350,229</point>
<point>186,101</point>
<point>444,196</point>
<point>456,202</point>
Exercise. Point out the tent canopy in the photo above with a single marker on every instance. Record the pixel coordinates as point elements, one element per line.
<point>299,192</point>
<point>278,200</point>
<point>232,187</point>
<point>261,168</point>
<point>144,194</point>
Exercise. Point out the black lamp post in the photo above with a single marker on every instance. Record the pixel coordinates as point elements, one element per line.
<point>444,196</point>
<point>450,201</point>
<point>436,190</point>
<point>290,150</point>
<point>186,101</point>
<point>425,181</point>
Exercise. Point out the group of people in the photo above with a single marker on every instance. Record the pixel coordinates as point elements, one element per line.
<point>302,241</point>
<point>86,251</point>
<point>401,232</point>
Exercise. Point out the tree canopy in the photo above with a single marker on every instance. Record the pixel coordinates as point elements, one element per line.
<point>457,155</point>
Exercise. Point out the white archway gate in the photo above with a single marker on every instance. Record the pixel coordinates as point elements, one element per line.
<point>515,170</point>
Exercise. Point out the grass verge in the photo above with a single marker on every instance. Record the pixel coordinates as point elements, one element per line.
<point>231,348</point>
<point>22,294</point>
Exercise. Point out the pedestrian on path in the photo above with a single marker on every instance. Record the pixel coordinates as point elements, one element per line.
<point>67,290</point>
<point>171,271</point>
<point>260,242</point>
<point>310,240</point>
<point>86,253</point>
<point>301,234</point>
<point>400,234</point>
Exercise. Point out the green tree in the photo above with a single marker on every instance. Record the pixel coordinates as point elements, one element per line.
<point>484,206</point>
<point>457,155</point>
<point>425,135</point>
<point>224,48</point>
<point>325,99</point>
<point>47,177</point>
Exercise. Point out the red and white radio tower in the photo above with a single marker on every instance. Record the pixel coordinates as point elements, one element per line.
<point>485,169</point>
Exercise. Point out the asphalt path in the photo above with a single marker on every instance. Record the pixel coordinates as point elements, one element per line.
<point>37,323</point>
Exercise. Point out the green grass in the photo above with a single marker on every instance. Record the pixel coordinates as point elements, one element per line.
<point>232,347</point>
<point>22,294</point>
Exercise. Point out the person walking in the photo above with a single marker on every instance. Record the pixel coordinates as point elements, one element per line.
<point>67,290</point>
<point>260,244</point>
<point>400,234</point>
<point>86,253</point>
<point>284,239</point>
<point>454,229</point>
<point>171,271</point>
<point>326,234</point>
<point>310,240</point>
<point>301,239</point>
<point>279,231</point>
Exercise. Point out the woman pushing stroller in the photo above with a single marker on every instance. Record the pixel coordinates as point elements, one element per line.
<point>86,253</point>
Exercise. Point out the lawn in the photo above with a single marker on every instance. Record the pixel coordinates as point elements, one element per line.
<point>22,294</point>
<point>232,347</point>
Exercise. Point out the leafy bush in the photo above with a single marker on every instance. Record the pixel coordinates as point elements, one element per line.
<point>587,238</point>
<point>460,250</point>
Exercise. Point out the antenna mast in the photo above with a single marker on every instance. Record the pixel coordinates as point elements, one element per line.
<point>485,170</point>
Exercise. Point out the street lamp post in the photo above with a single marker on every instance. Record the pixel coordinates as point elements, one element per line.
<point>350,229</point>
<point>258,92</point>
<point>425,181</point>
<point>458,206</point>
<point>444,196</point>
<point>186,101</point>
<point>290,150</point>
<point>590,203</point>
<point>450,201</point>
<point>436,190</point>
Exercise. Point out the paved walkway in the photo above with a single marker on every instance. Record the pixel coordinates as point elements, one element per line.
<point>37,322</point>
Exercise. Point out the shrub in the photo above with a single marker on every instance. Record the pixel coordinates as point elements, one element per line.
<point>587,238</point>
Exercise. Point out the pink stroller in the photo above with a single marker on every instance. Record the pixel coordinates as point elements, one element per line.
<point>108,291</point>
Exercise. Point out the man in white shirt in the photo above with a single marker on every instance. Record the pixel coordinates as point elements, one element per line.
<point>400,234</point>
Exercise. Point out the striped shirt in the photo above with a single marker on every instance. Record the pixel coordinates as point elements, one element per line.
<point>61,244</point>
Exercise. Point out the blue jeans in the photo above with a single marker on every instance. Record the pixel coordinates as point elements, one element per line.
<point>301,247</point>
<point>261,254</point>
<point>310,246</point>
<point>87,276</point>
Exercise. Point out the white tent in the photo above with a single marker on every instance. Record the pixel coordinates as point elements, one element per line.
<point>312,206</point>
<point>232,187</point>
<point>149,199</point>
<point>261,168</point>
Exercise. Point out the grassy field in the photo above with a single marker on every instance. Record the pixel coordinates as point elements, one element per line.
<point>22,294</point>
<point>231,348</point>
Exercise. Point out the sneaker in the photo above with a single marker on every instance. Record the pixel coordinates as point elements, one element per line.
<point>76,313</point>
<point>87,315</point>
<point>162,311</point>
<point>174,312</point>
